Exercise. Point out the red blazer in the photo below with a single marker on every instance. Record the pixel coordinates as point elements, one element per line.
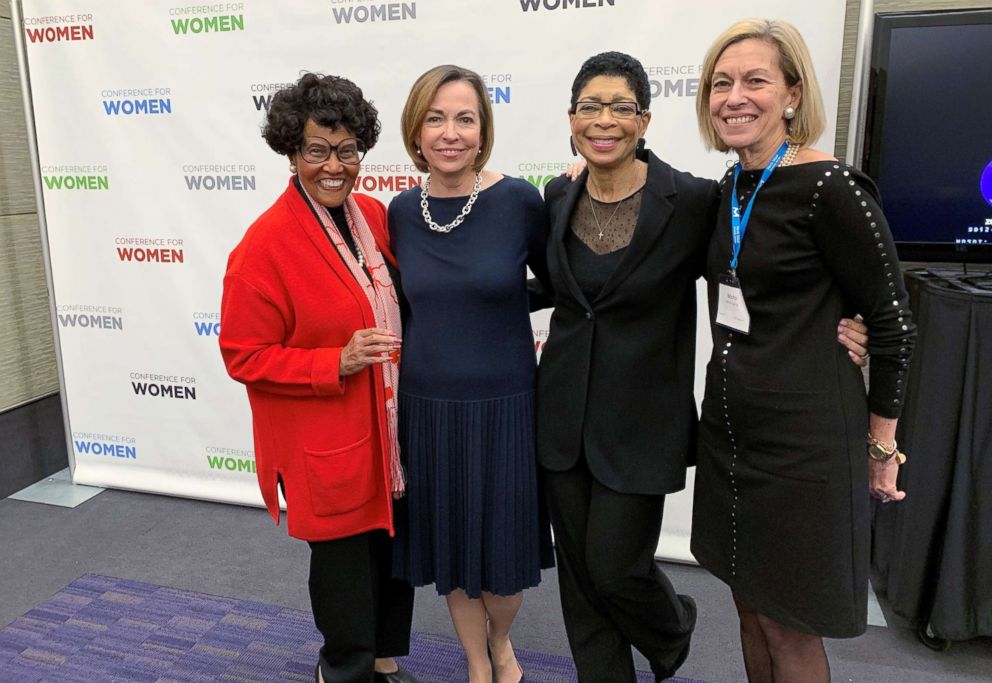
<point>290,305</point>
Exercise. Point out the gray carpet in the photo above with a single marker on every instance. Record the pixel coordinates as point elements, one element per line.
<point>236,552</point>
<point>100,628</point>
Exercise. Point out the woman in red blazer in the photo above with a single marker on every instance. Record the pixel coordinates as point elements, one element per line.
<point>311,326</point>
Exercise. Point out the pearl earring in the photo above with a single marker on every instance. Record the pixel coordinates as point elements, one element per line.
<point>292,168</point>
<point>789,113</point>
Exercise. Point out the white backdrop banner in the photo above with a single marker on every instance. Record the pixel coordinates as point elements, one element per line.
<point>152,166</point>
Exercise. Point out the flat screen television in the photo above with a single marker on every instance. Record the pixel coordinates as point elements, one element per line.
<point>928,132</point>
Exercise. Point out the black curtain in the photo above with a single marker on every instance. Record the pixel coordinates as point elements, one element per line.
<point>932,552</point>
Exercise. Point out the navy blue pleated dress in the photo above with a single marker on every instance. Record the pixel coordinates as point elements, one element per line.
<point>471,518</point>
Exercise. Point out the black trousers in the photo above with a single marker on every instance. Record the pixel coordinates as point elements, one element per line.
<point>361,611</point>
<point>613,593</point>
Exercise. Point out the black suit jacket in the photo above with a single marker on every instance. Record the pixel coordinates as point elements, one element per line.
<point>616,375</point>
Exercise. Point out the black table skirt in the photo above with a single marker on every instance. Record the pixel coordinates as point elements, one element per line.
<point>932,553</point>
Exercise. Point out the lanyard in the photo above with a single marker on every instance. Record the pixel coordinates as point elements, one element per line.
<point>738,225</point>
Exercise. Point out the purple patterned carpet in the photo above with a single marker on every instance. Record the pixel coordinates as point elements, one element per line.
<point>100,629</point>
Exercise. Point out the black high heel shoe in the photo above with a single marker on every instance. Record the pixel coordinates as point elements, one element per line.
<point>401,675</point>
<point>489,651</point>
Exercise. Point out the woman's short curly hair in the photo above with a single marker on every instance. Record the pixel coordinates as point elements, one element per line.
<point>331,101</point>
<point>615,64</point>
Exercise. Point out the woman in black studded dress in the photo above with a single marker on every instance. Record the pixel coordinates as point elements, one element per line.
<point>784,475</point>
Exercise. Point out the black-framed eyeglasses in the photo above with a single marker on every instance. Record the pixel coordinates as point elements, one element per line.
<point>318,150</point>
<point>591,109</point>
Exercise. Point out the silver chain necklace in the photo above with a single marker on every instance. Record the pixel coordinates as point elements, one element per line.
<point>448,227</point>
<point>602,227</point>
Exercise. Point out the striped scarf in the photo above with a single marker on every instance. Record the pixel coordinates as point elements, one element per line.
<point>382,298</point>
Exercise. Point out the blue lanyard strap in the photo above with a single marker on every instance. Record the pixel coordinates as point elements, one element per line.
<point>738,224</point>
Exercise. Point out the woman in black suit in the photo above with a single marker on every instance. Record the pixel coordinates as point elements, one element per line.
<point>616,417</point>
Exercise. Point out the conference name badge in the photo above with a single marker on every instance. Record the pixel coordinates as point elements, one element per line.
<point>731,310</point>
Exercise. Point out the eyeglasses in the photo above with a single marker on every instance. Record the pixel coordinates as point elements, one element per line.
<point>591,109</point>
<point>318,150</point>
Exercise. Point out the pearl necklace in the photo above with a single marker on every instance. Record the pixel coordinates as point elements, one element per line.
<point>791,151</point>
<point>448,227</point>
<point>790,154</point>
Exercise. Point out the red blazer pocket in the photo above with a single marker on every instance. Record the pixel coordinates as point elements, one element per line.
<point>341,479</point>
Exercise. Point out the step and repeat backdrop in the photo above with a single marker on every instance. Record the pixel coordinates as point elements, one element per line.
<point>152,166</point>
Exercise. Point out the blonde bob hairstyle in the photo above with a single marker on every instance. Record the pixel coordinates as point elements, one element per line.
<point>418,103</point>
<point>795,62</point>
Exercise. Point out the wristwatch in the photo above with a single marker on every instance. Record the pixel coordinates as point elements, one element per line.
<point>883,452</point>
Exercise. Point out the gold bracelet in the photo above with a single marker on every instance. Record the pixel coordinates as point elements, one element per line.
<point>883,452</point>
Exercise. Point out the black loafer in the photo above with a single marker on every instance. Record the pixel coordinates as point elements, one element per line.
<point>401,675</point>
<point>690,610</point>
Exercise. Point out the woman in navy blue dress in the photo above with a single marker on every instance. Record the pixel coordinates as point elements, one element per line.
<point>471,523</point>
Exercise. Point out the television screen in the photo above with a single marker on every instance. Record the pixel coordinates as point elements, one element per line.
<point>928,133</point>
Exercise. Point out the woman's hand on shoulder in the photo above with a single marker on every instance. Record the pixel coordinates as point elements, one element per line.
<point>367,347</point>
<point>575,170</point>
